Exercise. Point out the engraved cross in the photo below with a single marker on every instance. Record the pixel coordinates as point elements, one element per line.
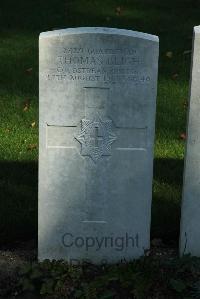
<point>97,137</point>
<point>98,134</point>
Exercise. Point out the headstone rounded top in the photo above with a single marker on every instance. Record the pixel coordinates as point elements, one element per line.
<point>97,114</point>
<point>99,30</point>
<point>197,29</point>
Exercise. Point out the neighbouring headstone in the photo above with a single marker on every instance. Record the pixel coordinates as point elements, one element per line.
<point>97,114</point>
<point>190,228</point>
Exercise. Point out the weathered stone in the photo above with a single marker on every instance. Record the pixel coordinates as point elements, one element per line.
<point>190,229</point>
<point>97,115</point>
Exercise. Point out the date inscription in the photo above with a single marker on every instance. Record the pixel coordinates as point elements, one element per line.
<point>100,65</point>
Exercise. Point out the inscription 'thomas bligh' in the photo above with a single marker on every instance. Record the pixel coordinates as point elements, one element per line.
<point>100,65</point>
<point>92,60</point>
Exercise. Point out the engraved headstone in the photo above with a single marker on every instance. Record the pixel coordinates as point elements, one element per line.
<point>190,228</point>
<point>97,115</point>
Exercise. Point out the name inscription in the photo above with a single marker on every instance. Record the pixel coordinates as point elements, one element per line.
<point>99,64</point>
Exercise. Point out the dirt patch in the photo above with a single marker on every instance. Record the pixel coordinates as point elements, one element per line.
<point>11,259</point>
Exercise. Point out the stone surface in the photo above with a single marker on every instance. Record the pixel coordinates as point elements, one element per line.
<point>97,114</point>
<point>190,228</point>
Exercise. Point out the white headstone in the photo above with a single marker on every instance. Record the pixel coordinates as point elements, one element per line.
<point>190,225</point>
<point>97,114</point>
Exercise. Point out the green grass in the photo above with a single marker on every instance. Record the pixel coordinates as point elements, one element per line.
<point>20,24</point>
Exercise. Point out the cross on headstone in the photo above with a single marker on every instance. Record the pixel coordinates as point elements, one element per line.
<point>97,137</point>
<point>97,117</point>
<point>91,135</point>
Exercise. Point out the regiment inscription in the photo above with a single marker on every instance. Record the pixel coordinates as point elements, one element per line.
<point>99,64</point>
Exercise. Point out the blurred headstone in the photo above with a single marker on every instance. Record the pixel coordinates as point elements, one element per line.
<point>190,229</point>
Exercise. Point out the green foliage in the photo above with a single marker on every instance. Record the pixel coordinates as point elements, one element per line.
<point>146,278</point>
<point>177,285</point>
<point>48,278</point>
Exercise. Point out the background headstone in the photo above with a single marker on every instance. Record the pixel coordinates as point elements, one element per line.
<point>190,224</point>
<point>97,115</point>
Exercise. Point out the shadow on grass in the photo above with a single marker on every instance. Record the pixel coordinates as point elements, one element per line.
<point>19,200</point>
<point>166,207</point>
<point>169,171</point>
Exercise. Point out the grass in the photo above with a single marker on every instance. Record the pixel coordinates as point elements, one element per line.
<point>20,24</point>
